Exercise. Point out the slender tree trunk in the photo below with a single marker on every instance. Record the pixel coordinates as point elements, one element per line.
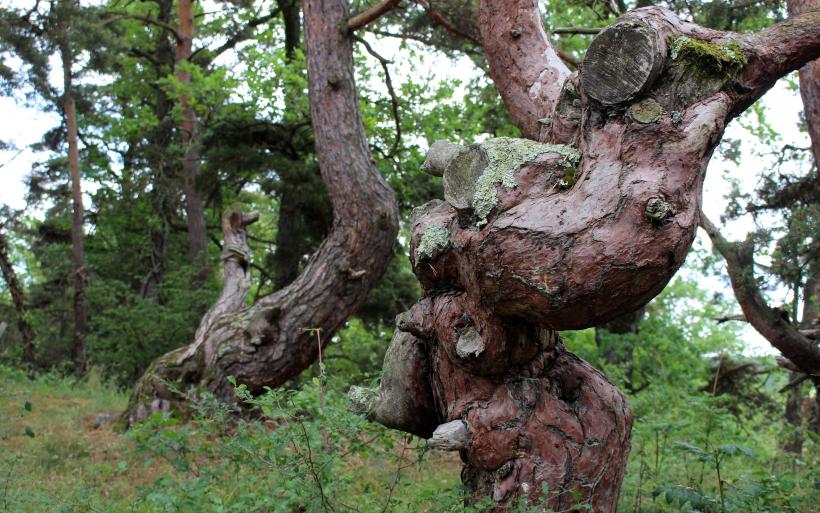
<point>18,299</point>
<point>274,340</point>
<point>194,205</point>
<point>570,232</point>
<point>80,305</point>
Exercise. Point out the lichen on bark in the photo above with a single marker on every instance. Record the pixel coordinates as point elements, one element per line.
<point>716,59</point>
<point>434,240</point>
<point>506,155</point>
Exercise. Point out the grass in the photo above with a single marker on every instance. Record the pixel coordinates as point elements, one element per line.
<point>68,465</point>
<point>54,459</point>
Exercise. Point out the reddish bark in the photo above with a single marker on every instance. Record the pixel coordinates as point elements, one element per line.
<point>78,252</point>
<point>573,237</point>
<point>194,205</point>
<point>525,68</point>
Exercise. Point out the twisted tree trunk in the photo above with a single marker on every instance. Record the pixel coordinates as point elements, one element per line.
<point>583,223</point>
<point>270,342</point>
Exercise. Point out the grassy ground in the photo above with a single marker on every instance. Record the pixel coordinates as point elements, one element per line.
<point>53,458</point>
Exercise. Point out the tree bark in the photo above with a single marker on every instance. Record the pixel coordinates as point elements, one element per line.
<point>568,234</point>
<point>70,116</point>
<point>274,340</point>
<point>189,137</point>
<point>18,299</point>
<point>809,77</point>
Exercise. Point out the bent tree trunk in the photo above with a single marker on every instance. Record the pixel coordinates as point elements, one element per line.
<point>271,341</point>
<point>584,222</point>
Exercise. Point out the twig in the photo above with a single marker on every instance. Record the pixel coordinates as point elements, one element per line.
<point>145,19</point>
<point>576,30</point>
<point>9,161</point>
<point>394,101</point>
<point>440,20</point>
<point>325,502</point>
<point>795,382</point>
<point>396,477</point>
<point>733,317</point>
<point>370,15</point>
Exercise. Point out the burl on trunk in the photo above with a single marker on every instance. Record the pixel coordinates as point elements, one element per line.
<point>585,221</point>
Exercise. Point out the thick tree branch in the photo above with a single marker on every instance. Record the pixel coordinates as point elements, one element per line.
<point>777,51</point>
<point>802,352</point>
<point>810,85</point>
<point>525,67</point>
<point>370,15</point>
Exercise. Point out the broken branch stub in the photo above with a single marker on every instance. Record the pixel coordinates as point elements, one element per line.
<point>623,61</point>
<point>451,436</point>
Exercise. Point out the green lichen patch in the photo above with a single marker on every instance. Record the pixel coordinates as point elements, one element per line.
<point>506,155</point>
<point>645,111</point>
<point>568,180</point>
<point>434,240</point>
<point>714,59</point>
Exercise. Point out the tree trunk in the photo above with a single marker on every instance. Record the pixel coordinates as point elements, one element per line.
<point>809,77</point>
<point>18,299</point>
<point>194,205</point>
<point>570,232</point>
<point>80,306</point>
<point>274,340</point>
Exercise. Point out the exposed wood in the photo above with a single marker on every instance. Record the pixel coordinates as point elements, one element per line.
<point>623,61</point>
<point>450,436</point>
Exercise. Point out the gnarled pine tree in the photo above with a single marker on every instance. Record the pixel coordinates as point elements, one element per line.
<point>584,221</point>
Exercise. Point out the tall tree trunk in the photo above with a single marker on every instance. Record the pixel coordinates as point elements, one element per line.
<point>18,299</point>
<point>570,232</point>
<point>194,205</point>
<point>70,114</point>
<point>274,340</point>
<point>809,77</point>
